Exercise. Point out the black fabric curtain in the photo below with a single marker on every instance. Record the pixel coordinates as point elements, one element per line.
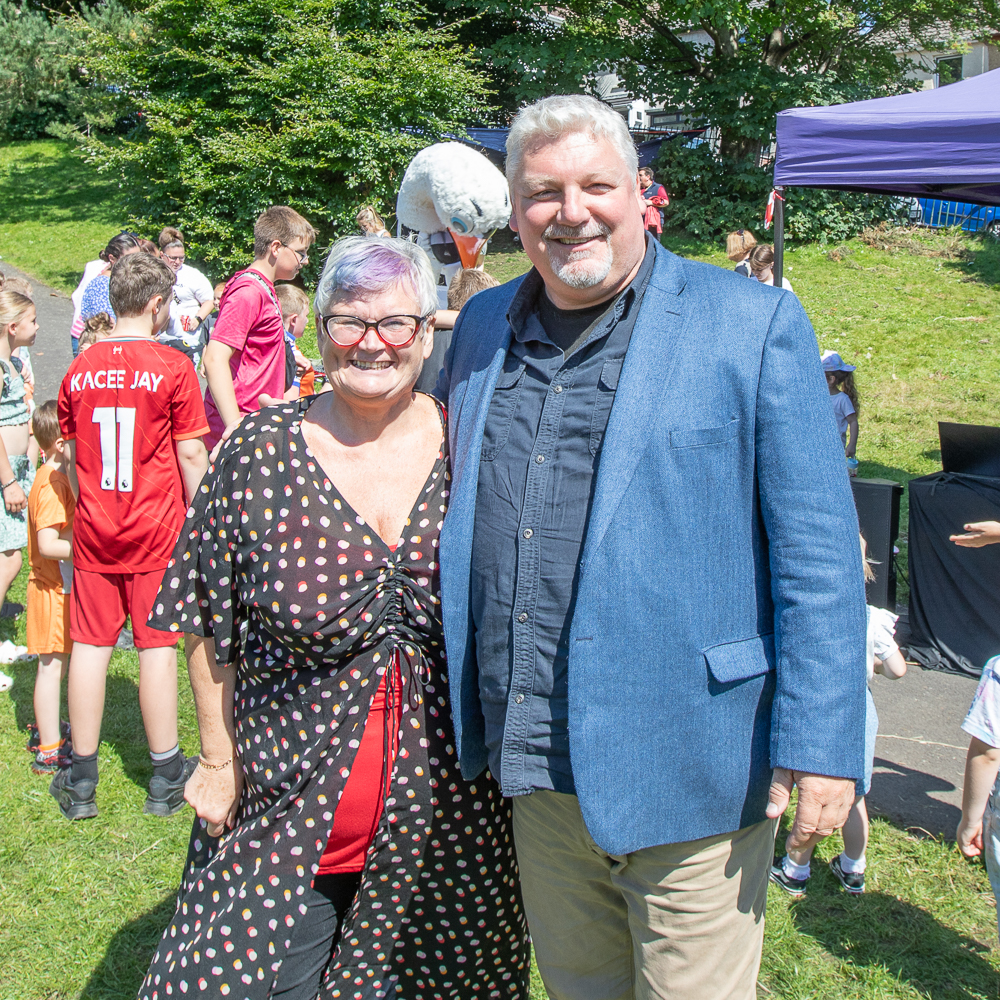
<point>954,591</point>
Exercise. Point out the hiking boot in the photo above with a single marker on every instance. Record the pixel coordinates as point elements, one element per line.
<point>793,886</point>
<point>77,800</point>
<point>853,882</point>
<point>167,797</point>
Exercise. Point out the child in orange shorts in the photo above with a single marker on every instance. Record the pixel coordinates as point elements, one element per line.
<point>51,505</point>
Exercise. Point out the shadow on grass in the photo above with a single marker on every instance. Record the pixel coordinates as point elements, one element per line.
<point>122,727</point>
<point>121,971</point>
<point>880,931</point>
<point>902,796</point>
<point>56,189</point>
<point>875,470</point>
<point>985,263</point>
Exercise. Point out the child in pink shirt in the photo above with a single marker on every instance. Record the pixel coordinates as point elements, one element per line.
<point>245,357</point>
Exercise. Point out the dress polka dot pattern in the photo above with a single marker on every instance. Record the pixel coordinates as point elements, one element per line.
<point>311,606</point>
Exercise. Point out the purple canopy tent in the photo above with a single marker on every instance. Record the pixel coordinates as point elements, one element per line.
<point>942,143</point>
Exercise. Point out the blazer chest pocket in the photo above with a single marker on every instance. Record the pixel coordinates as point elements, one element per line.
<point>501,412</point>
<point>702,437</point>
<point>607,386</point>
<point>742,659</point>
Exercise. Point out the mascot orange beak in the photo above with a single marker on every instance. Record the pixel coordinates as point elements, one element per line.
<point>471,249</point>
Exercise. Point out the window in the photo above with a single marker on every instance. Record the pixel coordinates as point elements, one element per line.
<point>949,70</point>
<point>664,120</point>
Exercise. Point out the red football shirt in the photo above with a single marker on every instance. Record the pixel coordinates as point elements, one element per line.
<point>125,402</point>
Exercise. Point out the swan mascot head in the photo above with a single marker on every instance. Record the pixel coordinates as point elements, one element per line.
<point>455,199</point>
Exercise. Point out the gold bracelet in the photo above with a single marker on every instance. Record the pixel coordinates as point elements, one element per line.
<point>213,767</point>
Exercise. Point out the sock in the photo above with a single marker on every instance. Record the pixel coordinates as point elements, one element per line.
<point>792,870</point>
<point>169,765</point>
<point>50,750</point>
<point>84,767</point>
<point>851,866</point>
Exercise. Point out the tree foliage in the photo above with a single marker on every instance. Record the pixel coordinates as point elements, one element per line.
<point>241,104</point>
<point>729,63</point>
<point>732,65</point>
<point>37,70</point>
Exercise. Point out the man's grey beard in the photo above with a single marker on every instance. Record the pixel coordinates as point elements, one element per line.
<point>571,273</point>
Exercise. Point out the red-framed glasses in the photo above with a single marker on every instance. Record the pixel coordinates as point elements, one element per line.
<point>393,331</point>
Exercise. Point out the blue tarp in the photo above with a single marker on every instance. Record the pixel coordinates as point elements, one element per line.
<point>942,143</point>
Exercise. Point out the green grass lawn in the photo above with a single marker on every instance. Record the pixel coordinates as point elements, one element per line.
<point>82,905</point>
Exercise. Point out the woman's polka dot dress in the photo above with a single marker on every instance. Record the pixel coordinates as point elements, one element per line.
<point>310,606</point>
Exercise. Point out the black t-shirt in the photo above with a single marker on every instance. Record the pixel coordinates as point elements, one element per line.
<point>568,329</point>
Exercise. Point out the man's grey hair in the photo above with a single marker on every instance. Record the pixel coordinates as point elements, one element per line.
<point>360,266</point>
<point>553,117</point>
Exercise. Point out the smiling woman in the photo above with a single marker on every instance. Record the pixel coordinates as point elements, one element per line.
<point>313,564</point>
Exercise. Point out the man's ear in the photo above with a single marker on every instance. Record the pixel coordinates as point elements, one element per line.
<point>513,221</point>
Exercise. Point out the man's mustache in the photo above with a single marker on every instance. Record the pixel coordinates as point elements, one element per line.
<point>586,231</point>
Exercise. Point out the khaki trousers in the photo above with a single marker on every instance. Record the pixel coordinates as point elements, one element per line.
<point>676,922</point>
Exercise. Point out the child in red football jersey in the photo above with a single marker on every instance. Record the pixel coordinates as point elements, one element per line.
<point>245,356</point>
<point>130,411</point>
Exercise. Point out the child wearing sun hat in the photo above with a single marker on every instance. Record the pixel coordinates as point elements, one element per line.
<point>846,404</point>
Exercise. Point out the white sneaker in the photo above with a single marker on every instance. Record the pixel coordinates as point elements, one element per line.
<point>9,652</point>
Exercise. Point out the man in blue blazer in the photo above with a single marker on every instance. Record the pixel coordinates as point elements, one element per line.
<point>651,578</point>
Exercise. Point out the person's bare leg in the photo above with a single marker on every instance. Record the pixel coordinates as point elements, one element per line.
<point>10,566</point>
<point>158,696</point>
<point>88,673</point>
<point>802,857</point>
<point>856,830</point>
<point>48,687</point>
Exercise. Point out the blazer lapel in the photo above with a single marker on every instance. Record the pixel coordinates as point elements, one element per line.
<point>644,378</point>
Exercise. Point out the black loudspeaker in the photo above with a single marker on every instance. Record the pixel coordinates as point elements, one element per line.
<point>877,502</point>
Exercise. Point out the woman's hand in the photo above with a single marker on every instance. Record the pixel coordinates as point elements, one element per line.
<point>14,499</point>
<point>215,795</point>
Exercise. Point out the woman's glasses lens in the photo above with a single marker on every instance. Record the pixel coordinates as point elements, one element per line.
<point>346,331</point>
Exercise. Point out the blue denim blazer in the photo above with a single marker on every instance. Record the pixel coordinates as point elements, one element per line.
<point>719,626</point>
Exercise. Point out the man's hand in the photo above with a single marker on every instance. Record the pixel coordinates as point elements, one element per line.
<point>823,805</point>
<point>215,796</point>
<point>978,534</point>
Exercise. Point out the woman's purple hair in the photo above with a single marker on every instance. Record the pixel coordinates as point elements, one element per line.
<point>367,265</point>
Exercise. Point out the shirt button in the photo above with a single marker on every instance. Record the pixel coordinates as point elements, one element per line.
<point>522,617</point>
<point>527,533</point>
<point>557,388</point>
<point>518,698</point>
<point>539,459</point>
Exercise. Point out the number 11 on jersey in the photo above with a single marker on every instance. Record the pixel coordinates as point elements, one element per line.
<point>116,456</point>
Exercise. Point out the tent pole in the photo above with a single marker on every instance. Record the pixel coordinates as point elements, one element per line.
<point>779,236</point>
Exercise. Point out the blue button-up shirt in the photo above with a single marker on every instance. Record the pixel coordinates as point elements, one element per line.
<point>541,447</point>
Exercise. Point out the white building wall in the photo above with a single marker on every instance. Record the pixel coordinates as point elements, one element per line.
<point>977,58</point>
